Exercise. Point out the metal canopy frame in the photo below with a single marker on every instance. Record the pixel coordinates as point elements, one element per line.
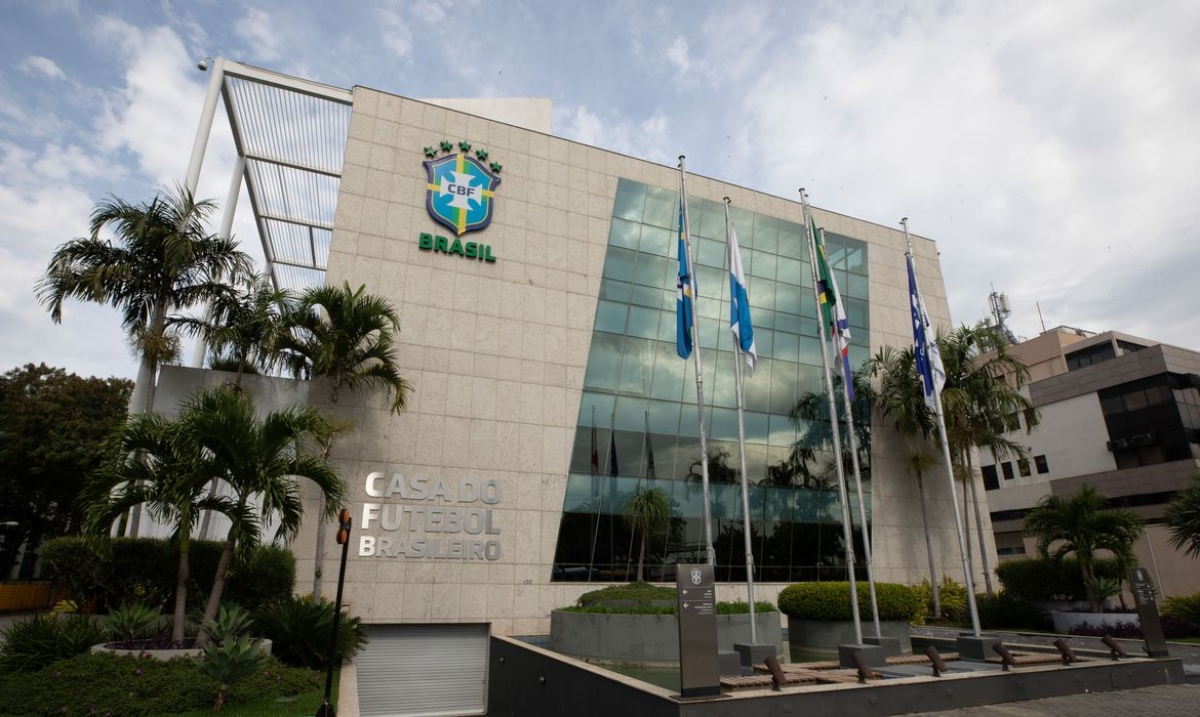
<point>291,137</point>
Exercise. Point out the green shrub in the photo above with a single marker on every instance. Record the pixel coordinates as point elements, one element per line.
<point>1049,579</point>
<point>32,644</point>
<point>1184,607</point>
<point>102,574</point>
<point>230,656</point>
<point>831,601</point>
<point>736,607</point>
<point>1007,611</point>
<point>641,592</point>
<point>741,607</point>
<point>300,631</point>
<point>132,621</point>
<point>952,597</point>
<point>131,687</point>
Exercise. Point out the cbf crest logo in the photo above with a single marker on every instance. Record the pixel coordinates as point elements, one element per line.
<point>461,190</point>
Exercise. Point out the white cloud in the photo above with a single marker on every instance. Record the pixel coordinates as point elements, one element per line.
<point>646,138</point>
<point>677,54</point>
<point>397,36</point>
<point>44,66</point>
<point>258,28</point>
<point>430,12</point>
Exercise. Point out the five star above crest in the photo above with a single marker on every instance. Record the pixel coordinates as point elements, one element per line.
<point>430,152</point>
<point>464,146</point>
<point>446,145</point>
<point>482,154</point>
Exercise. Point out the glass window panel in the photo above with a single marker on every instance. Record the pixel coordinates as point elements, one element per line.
<point>743,224</point>
<point>712,223</point>
<point>766,233</point>
<point>662,208</point>
<point>710,309</point>
<point>668,326</point>
<point>808,304</point>
<point>711,253</point>
<point>856,256</point>
<point>610,317</point>
<point>792,240</point>
<point>806,280</point>
<point>614,290</point>
<point>810,350</point>
<point>724,390</point>
<point>636,366</point>
<point>757,424</point>
<point>659,242</point>
<point>859,355</point>
<point>724,426</point>
<point>712,282</point>
<point>783,386</point>
<point>652,271</point>
<point>789,270</point>
<point>664,417</point>
<point>764,341</point>
<point>782,431</point>
<point>618,264</point>
<point>762,264</point>
<point>857,312</point>
<point>604,362</point>
<point>787,347</point>
<point>669,372</point>
<point>630,201</point>
<point>857,286</point>
<point>631,416</point>
<point>757,390</point>
<point>762,293</point>
<point>599,405</point>
<point>787,322</point>
<point>624,234</point>
<point>649,296</point>
<point>808,326</point>
<point>643,322</point>
<point>695,207</point>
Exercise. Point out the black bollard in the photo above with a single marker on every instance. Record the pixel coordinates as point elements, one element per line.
<point>1117,651</point>
<point>939,665</point>
<point>1006,659</point>
<point>864,670</point>
<point>778,679</point>
<point>1068,655</point>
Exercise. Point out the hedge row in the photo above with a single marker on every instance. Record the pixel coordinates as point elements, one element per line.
<point>1038,579</point>
<point>100,575</point>
<point>831,601</point>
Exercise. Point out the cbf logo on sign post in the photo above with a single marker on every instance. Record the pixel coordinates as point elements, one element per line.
<point>461,189</point>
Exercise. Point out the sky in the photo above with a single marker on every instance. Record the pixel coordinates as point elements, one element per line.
<point>1050,148</point>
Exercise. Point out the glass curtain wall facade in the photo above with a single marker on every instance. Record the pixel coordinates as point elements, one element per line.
<point>638,426</point>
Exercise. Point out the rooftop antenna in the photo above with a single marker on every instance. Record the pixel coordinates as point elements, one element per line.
<point>1001,311</point>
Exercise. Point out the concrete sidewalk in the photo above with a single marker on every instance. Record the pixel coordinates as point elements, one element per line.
<point>1160,701</point>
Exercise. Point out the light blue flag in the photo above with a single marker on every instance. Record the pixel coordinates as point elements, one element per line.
<point>683,295</point>
<point>739,304</point>
<point>929,364</point>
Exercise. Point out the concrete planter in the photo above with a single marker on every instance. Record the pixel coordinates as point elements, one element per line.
<point>825,635</point>
<point>647,638</point>
<point>264,646</point>
<point>1064,621</point>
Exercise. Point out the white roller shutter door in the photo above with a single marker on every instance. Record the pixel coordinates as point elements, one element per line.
<point>423,671</point>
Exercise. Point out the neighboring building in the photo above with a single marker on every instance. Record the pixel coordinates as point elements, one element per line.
<point>1119,413</point>
<point>546,382</point>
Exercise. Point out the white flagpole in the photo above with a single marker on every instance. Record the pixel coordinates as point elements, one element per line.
<point>937,400</point>
<point>737,368</point>
<point>847,535</point>
<point>710,553</point>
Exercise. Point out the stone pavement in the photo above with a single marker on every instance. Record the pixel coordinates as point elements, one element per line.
<point>1160,701</point>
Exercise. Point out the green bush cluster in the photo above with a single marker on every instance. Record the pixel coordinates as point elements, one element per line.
<point>34,643</point>
<point>952,597</point>
<point>831,601</point>
<point>735,607</point>
<point>131,687</point>
<point>103,575</point>
<point>1049,579</point>
<point>640,592</point>
<point>300,630</point>
<point>1184,607</point>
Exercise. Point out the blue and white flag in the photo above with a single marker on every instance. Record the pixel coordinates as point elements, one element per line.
<point>684,292</point>
<point>929,363</point>
<point>739,304</point>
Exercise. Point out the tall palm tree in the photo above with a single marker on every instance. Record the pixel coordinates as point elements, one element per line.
<point>346,337</point>
<point>1084,524</point>
<point>648,512</point>
<point>1183,519</point>
<point>259,459</point>
<point>244,322</point>
<point>982,393</point>
<point>161,260</point>
<point>899,396</point>
<point>153,465</point>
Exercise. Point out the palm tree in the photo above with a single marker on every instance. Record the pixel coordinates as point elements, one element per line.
<point>1083,524</point>
<point>259,459</point>
<point>347,337</point>
<point>648,511</point>
<point>982,393</point>
<point>153,465</point>
<point>899,396</point>
<point>244,323</point>
<point>1183,519</point>
<point>163,261</point>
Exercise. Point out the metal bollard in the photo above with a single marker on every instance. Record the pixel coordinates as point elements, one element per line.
<point>1068,655</point>
<point>1117,651</point>
<point>939,665</point>
<point>864,670</point>
<point>1006,659</point>
<point>778,679</point>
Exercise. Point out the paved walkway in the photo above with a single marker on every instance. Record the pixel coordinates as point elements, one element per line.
<point>1161,701</point>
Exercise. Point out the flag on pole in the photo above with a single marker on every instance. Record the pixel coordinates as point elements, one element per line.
<point>683,294</point>
<point>929,361</point>
<point>739,304</point>
<point>595,448</point>
<point>649,450</point>
<point>832,311</point>
<point>612,454</point>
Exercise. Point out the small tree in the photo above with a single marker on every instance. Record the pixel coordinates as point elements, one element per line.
<point>648,511</point>
<point>1083,524</point>
<point>1183,519</point>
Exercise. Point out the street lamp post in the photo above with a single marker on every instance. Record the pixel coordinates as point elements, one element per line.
<point>343,538</point>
